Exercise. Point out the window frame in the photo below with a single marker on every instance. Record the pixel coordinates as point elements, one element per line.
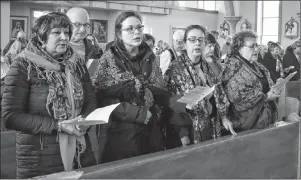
<point>196,9</point>
<point>262,18</point>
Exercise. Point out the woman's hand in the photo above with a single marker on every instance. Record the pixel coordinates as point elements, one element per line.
<point>273,94</point>
<point>70,128</point>
<point>185,141</point>
<point>191,106</point>
<point>287,70</point>
<point>81,128</point>
<point>228,125</point>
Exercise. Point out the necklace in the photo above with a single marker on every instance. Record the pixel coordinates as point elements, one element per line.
<point>255,70</point>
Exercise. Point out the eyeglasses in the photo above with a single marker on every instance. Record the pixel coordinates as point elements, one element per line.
<point>253,46</point>
<point>79,25</point>
<point>132,29</point>
<point>194,40</point>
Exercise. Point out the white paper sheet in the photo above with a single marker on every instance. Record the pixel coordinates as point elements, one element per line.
<point>89,62</point>
<point>196,95</point>
<point>98,116</point>
<point>280,86</point>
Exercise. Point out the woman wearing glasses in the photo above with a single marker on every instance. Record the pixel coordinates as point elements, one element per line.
<point>248,85</point>
<point>197,66</point>
<point>128,73</point>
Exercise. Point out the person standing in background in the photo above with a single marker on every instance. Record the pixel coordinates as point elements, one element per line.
<point>80,19</point>
<point>173,52</point>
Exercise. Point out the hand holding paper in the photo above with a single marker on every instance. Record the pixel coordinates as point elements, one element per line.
<point>196,95</point>
<point>280,85</point>
<point>98,116</point>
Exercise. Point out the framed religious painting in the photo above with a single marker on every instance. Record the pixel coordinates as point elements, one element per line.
<point>246,25</point>
<point>224,29</point>
<point>17,24</point>
<point>291,29</point>
<point>99,28</point>
<point>172,31</point>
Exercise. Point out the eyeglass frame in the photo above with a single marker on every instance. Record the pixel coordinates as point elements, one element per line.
<point>134,29</point>
<point>201,40</point>
<point>79,25</point>
<point>255,45</point>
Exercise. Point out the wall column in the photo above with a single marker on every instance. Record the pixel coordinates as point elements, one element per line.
<point>233,21</point>
<point>5,23</point>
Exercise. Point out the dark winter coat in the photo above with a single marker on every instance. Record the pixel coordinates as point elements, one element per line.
<point>24,110</point>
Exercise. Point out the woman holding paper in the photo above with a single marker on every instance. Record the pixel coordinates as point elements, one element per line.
<point>128,73</point>
<point>248,85</point>
<point>48,85</point>
<point>198,66</point>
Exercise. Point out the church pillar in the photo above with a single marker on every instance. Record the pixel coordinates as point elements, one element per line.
<point>233,21</point>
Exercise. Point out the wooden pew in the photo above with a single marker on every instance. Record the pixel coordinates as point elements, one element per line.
<point>268,153</point>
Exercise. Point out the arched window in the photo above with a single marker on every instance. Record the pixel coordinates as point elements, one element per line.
<point>268,21</point>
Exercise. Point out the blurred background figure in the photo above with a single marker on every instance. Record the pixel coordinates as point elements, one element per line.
<point>20,35</point>
<point>150,40</point>
<point>19,44</point>
<point>173,52</point>
<point>159,48</point>
<point>226,46</point>
<point>291,59</point>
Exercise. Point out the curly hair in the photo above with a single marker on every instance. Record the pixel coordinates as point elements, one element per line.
<point>239,40</point>
<point>43,25</point>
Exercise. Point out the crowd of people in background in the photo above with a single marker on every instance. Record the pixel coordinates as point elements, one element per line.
<point>62,74</point>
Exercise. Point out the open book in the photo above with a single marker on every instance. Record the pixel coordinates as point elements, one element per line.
<point>98,116</point>
<point>196,95</point>
<point>281,85</point>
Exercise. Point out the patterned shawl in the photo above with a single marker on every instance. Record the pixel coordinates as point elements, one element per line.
<point>65,98</point>
<point>244,89</point>
<point>181,77</point>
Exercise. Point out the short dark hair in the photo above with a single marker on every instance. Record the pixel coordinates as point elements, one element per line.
<point>191,27</point>
<point>214,32</point>
<point>43,25</point>
<point>239,41</point>
<point>147,37</point>
<point>209,38</point>
<point>122,17</point>
<point>273,45</point>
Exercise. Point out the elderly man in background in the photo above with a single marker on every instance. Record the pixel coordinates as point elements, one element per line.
<point>79,42</point>
<point>174,52</point>
<point>20,35</point>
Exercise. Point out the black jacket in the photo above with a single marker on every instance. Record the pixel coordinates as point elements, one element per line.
<point>289,59</point>
<point>24,110</point>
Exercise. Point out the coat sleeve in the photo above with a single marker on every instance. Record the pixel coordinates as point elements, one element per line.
<point>15,101</point>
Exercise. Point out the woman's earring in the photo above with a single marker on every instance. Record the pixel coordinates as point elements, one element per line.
<point>44,46</point>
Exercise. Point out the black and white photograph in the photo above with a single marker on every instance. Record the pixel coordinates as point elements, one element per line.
<point>120,89</point>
